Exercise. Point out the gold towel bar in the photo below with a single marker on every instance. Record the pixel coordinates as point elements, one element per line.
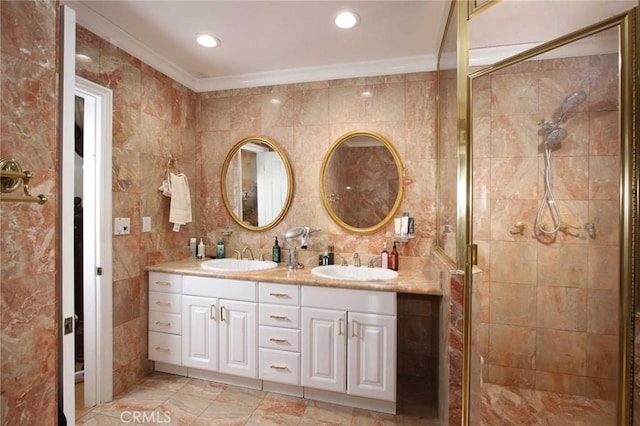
<point>11,177</point>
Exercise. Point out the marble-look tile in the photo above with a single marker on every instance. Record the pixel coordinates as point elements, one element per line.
<point>513,262</point>
<point>512,346</point>
<point>203,388</point>
<point>265,417</point>
<point>561,351</point>
<point>513,304</point>
<point>245,397</point>
<point>326,414</point>
<point>283,404</point>
<point>562,308</point>
<point>514,93</point>
<point>514,178</point>
<point>225,413</point>
<point>604,133</point>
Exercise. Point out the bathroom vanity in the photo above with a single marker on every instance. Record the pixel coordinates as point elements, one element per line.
<point>281,331</point>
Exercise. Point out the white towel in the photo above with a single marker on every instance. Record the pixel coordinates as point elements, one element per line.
<point>180,210</point>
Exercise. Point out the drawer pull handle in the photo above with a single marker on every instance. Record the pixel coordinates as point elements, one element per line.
<point>163,283</point>
<point>159,349</point>
<point>222,309</point>
<point>278,367</point>
<point>278,340</point>
<point>159,303</point>
<point>279,317</point>
<point>340,321</point>
<point>278,295</point>
<point>163,324</point>
<point>213,312</point>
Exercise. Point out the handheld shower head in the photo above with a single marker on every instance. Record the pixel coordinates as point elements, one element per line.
<point>569,104</point>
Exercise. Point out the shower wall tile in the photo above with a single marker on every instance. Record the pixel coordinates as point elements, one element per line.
<point>561,383</point>
<point>513,304</point>
<point>513,262</point>
<point>517,92</point>
<point>561,351</point>
<point>570,178</point>
<point>556,84</point>
<point>514,178</point>
<point>604,133</point>
<point>601,303</point>
<point>512,346</point>
<point>509,376</point>
<point>562,265</point>
<point>562,308</point>
<point>603,269</point>
<point>602,356</point>
<point>604,178</point>
<point>514,136</point>
<point>506,214</point>
<point>605,215</point>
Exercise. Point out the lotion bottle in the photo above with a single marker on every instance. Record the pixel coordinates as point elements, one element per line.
<point>200,252</point>
<point>275,252</point>
<point>384,256</point>
<point>220,249</point>
<point>393,258</point>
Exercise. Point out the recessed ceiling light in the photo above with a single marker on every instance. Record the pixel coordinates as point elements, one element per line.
<point>347,20</point>
<point>207,41</point>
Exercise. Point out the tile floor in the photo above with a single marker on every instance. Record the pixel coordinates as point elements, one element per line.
<point>174,400</point>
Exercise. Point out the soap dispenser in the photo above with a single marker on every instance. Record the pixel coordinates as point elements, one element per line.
<point>200,251</point>
<point>275,252</point>
<point>384,256</point>
<point>220,249</point>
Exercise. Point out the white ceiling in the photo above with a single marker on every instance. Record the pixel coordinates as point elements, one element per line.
<point>269,42</point>
<point>278,42</point>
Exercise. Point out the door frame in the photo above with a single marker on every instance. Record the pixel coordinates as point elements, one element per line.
<point>102,352</point>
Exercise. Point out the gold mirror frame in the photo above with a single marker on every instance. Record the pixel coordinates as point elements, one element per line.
<point>223,181</point>
<point>323,187</point>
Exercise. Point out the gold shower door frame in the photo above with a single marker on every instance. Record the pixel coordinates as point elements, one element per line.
<point>628,203</point>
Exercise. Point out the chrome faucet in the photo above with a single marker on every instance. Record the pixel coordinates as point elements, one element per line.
<point>356,259</point>
<point>245,249</point>
<point>372,261</point>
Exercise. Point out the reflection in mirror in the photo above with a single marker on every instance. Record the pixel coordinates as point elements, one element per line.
<point>361,181</point>
<point>257,183</point>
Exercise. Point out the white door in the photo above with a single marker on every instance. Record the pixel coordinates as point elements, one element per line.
<point>272,186</point>
<point>239,338</point>
<point>371,365</point>
<point>324,349</point>
<point>200,332</point>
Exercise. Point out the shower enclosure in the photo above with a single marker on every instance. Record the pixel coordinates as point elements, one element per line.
<point>547,166</point>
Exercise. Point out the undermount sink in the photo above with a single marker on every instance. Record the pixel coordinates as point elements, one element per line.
<point>237,265</point>
<point>354,273</point>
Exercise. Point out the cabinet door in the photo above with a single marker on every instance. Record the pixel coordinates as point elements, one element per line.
<point>371,350</point>
<point>324,349</point>
<point>239,338</point>
<point>200,332</point>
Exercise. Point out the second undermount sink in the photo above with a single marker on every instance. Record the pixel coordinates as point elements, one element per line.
<point>237,265</point>
<point>354,273</point>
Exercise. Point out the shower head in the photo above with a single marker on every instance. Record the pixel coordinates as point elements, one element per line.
<point>569,104</point>
<point>554,136</point>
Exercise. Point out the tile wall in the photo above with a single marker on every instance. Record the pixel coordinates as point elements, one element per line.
<point>28,252</point>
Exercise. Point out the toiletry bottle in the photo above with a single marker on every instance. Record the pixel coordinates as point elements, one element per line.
<point>393,258</point>
<point>384,256</point>
<point>404,224</point>
<point>193,247</point>
<point>412,224</point>
<point>325,258</point>
<point>275,252</point>
<point>330,249</point>
<point>200,252</point>
<point>220,249</point>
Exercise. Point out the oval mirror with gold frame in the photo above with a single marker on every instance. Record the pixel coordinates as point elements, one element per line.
<point>361,181</point>
<point>257,183</point>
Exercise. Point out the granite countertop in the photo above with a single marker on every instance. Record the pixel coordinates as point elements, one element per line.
<point>415,278</point>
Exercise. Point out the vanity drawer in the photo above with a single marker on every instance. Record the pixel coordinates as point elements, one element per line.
<point>165,322</point>
<point>285,339</point>
<point>279,294</point>
<point>365,301</point>
<point>280,366</point>
<point>167,283</point>
<point>280,316</point>
<point>165,302</point>
<point>165,348</point>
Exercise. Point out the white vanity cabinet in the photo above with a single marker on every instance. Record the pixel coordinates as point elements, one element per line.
<point>165,318</point>
<point>279,335</point>
<point>220,325</point>
<point>349,341</point>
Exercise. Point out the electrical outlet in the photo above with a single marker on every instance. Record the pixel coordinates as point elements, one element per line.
<point>122,226</point>
<point>146,224</point>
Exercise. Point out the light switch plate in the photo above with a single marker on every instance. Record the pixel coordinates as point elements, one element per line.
<point>122,226</point>
<point>146,224</point>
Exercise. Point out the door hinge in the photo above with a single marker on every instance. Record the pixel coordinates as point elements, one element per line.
<point>68,325</point>
<point>99,271</point>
